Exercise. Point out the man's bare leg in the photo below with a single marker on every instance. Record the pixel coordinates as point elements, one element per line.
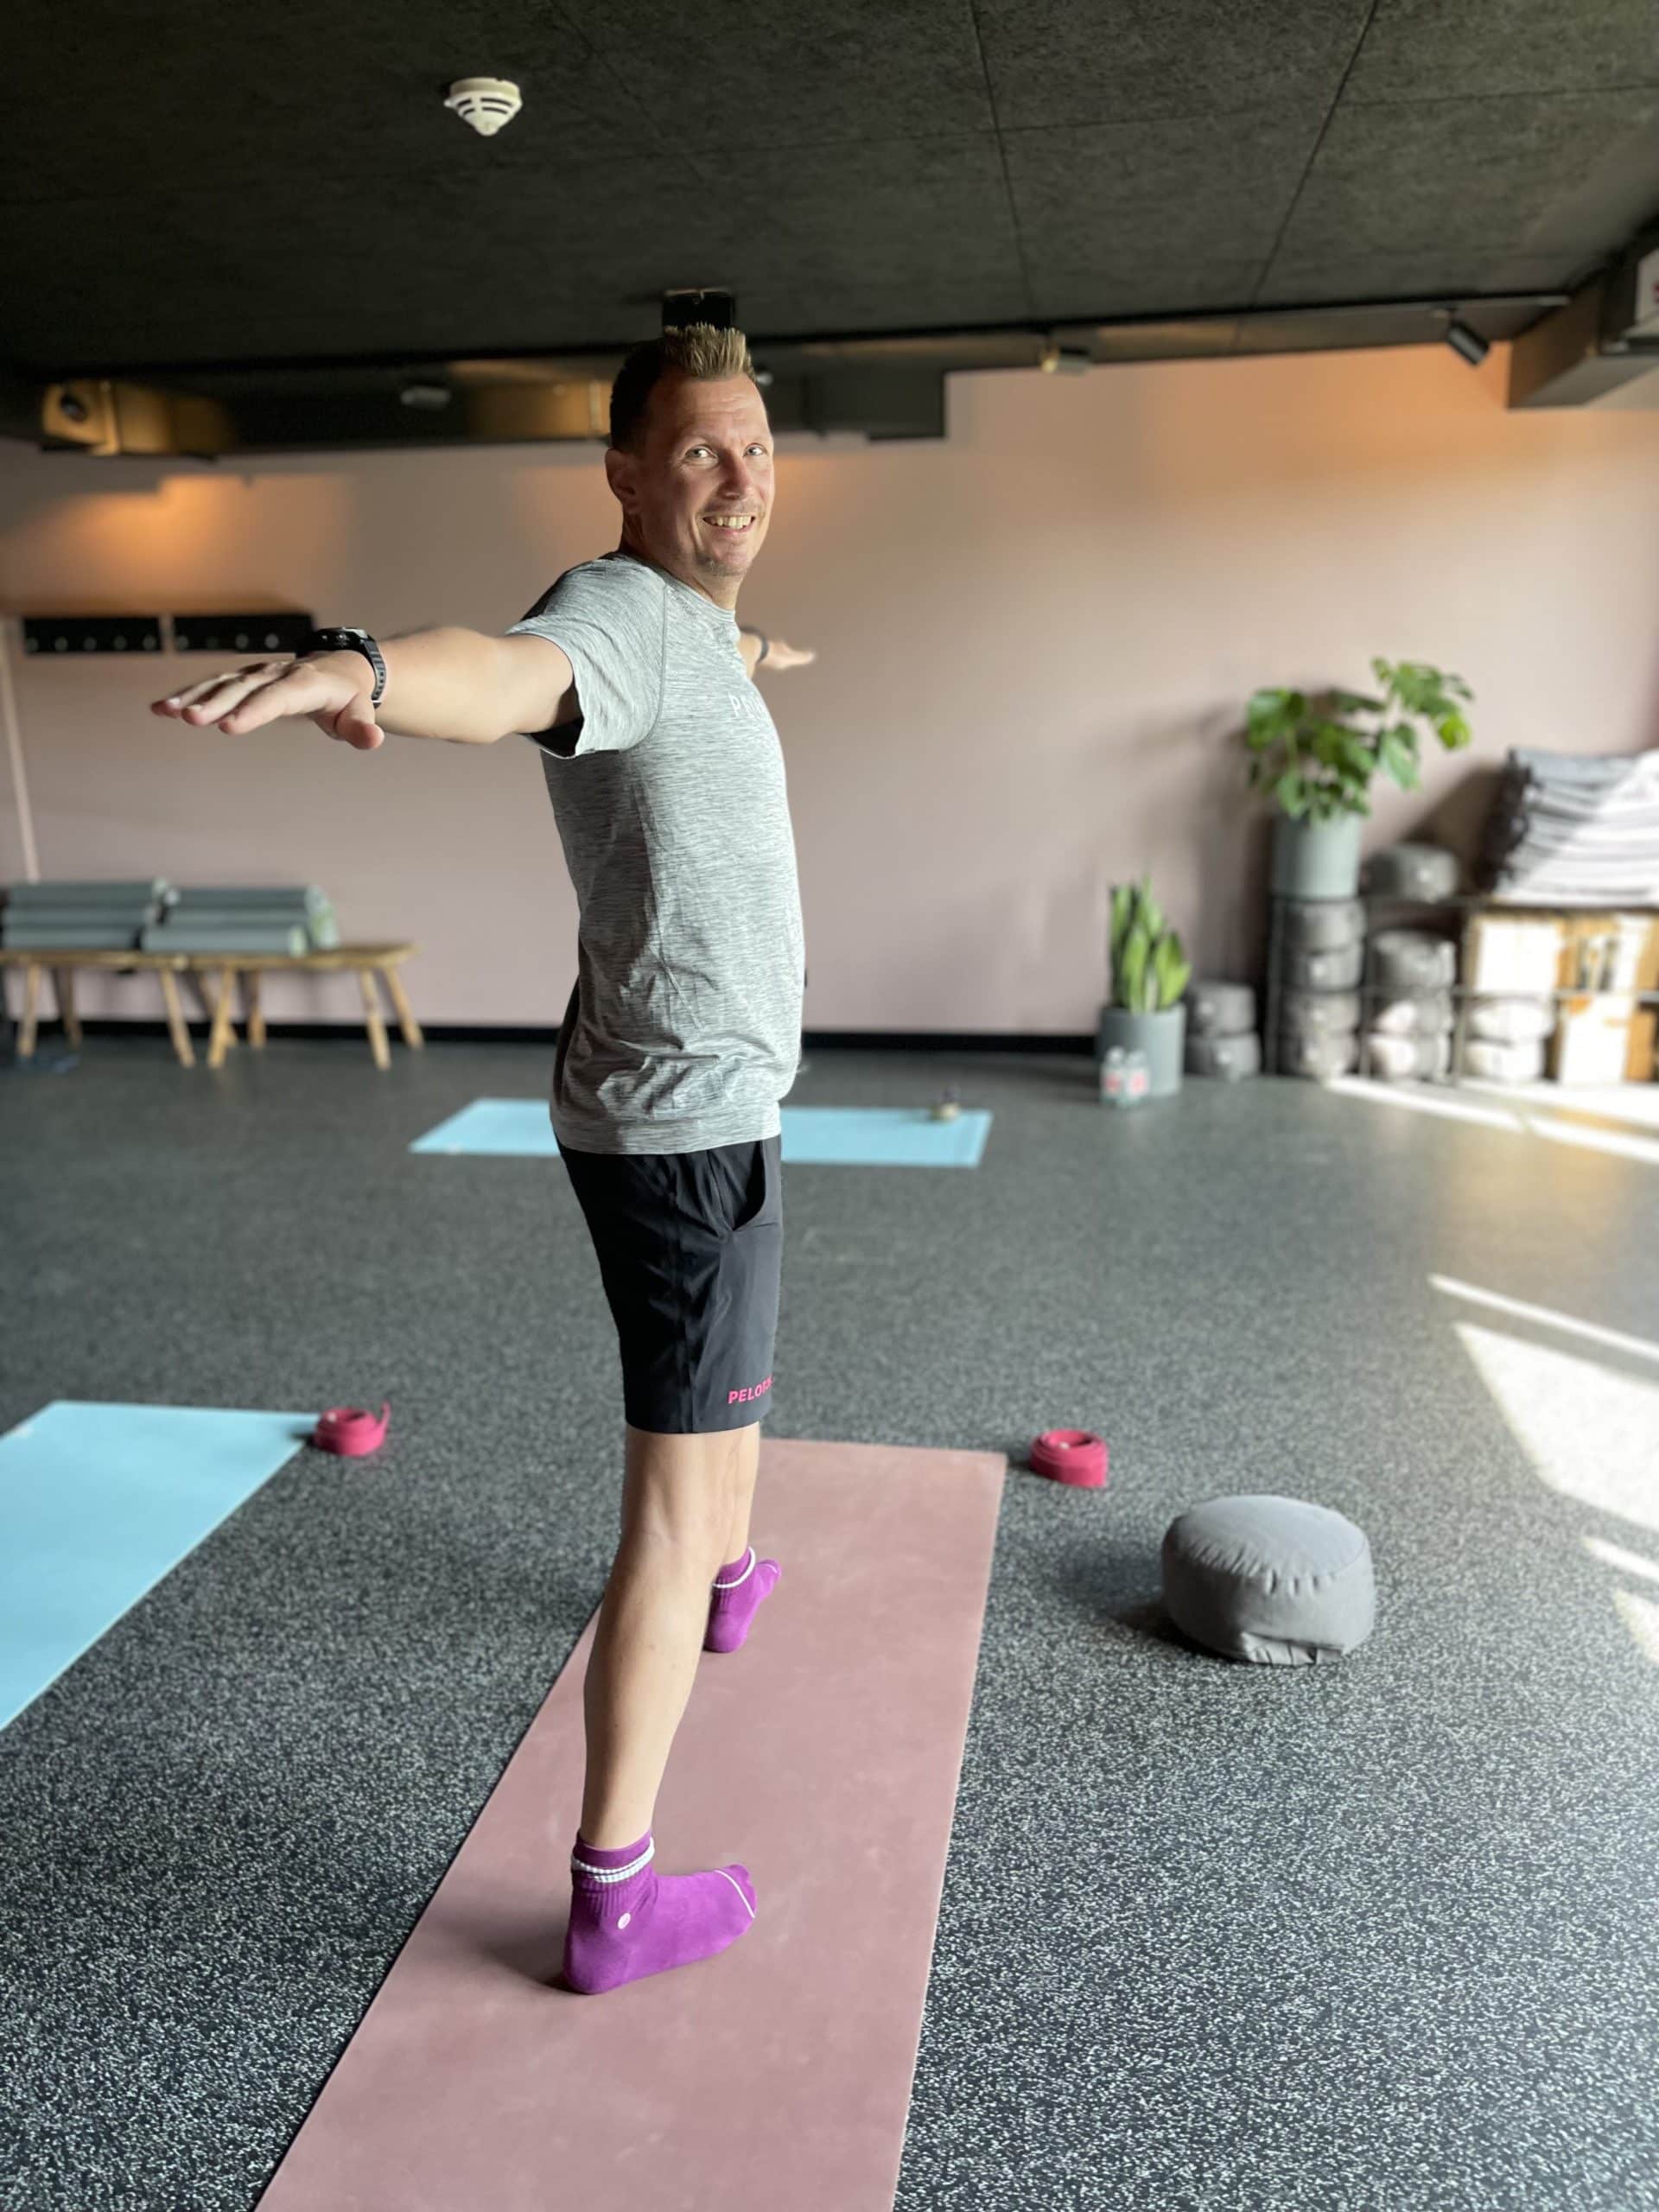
<point>626,1919</point>
<point>679,1499</point>
<point>749,1465</point>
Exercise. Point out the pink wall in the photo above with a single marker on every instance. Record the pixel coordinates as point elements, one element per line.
<point>1035,641</point>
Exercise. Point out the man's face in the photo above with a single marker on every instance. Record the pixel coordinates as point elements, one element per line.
<point>697,498</point>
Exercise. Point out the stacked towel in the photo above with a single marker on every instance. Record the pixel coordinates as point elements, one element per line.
<point>288,918</point>
<point>70,917</point>
<point>1576,828</point>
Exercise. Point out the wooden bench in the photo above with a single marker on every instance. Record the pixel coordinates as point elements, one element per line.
<point>207,969</point>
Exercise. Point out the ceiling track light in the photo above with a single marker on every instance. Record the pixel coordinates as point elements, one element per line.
<point>1459,336</point>
<point>1066,360</point>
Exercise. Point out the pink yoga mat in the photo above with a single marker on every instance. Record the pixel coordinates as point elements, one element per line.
<point>824,1755</point>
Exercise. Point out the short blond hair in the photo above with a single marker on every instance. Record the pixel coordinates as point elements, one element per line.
<point>696,349</point>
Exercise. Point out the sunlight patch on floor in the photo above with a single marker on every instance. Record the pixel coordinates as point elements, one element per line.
<point>1641,1617</point>
<point>1615,1340</point>
<point>1615,1555</point>
<point>1420,1100</point>
<point>1592,1432</point>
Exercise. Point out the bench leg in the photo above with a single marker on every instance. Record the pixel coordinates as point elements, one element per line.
<point>377,1044</point>
<point>63,981</point>
<point>405,1013</point>
<point>178,1028</point>
<point>26,1033</point>
<point>223,1034</point>
<point>254,1011</point>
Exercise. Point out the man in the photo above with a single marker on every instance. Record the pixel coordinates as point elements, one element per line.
<point>681,1034</point>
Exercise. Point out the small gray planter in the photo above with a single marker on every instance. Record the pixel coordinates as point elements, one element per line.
<point>1161,1037</point>
<point>1317,859</point>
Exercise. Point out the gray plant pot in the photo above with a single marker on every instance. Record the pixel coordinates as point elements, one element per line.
<point>1161,1037</point>
<point>1317,859</point>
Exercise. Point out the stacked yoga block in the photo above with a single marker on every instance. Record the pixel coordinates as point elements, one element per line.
<point>1221,1035</point>
<point>1321,964</point>
<point>71,916</point>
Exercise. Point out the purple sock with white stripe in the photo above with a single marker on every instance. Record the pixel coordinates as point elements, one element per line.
<point>627,1921</point>
<point>736,1598</point>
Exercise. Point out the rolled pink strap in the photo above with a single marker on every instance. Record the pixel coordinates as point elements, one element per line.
<point>351,1431</point>
<point>1071,1455</point>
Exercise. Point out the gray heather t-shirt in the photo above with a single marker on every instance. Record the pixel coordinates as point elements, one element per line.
<point>683,1030</point>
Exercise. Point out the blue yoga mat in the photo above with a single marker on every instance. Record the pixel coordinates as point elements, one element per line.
<point>97,1503</point>
<point>864,1136</point>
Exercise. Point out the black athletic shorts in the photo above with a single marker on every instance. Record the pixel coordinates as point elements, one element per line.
<point>690,1249</point>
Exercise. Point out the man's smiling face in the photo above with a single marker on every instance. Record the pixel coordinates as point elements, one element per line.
<point>696,498</point>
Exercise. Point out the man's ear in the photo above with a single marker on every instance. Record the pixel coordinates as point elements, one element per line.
<point>621,471</point>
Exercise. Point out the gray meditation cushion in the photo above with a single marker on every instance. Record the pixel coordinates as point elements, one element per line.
<point>1232,1058</point>
<point>1320,1014</point>
<point>1407,1059</point>
<point>1519,1062</point>
<point>1512,1021</point>
<point>1424,872</point>
<point>1405,962</point>
<point>1322,924</point>
<point>1337,969</point>
<point>1218,1009</point>
<point>1270,1578</point>
<point>1427,1015</point>
<point>1322,1059</point>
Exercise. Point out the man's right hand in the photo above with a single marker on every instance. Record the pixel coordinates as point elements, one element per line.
<point>332,689</point>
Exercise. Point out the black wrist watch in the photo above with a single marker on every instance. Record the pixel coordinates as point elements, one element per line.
<point>355,641</point>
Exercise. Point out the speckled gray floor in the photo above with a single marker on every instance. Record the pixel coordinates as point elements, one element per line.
<point>1369,1937</point>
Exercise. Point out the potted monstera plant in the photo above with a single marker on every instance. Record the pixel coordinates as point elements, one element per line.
<point>1315,756</point>
<point>1150,971</point>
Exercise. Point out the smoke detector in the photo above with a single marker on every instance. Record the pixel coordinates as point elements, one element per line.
<point>489,104</point>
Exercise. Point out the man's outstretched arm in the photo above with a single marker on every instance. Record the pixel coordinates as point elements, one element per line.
<point>454,684</point>
<point>776,654</point>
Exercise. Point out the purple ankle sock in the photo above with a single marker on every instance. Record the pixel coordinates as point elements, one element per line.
<point>736,1598</point>
<point>627,1921</point>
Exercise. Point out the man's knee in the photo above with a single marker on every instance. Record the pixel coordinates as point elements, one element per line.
<point>681,1490</point>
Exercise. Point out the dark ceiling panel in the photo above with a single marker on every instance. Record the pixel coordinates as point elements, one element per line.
<point>1060,61</point>
<point>960,303</point>
<point>727,77</point>
<point>289,186</point>
<point>1450,275</point>
<point>881,213</point>
<point>1426,50</point>
<point>307,91</point>
<point>1097,291</point>
<point>1117,196</point>
<point>359,268</point>
<point>1478,174</point>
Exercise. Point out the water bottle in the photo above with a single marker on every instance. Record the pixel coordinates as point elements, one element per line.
<point>1124,1077</point>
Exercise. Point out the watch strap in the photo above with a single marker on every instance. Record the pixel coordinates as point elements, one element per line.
<point>356,641</point>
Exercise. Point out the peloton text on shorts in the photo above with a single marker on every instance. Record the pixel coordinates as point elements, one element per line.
<point>758,1390</point>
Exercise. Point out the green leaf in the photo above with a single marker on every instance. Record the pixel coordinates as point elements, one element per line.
<point>1399,757</point>
<point>1171,968</point>
<point>1291,794</point>
<point>1454,732</point>
<point>1132,977</point>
